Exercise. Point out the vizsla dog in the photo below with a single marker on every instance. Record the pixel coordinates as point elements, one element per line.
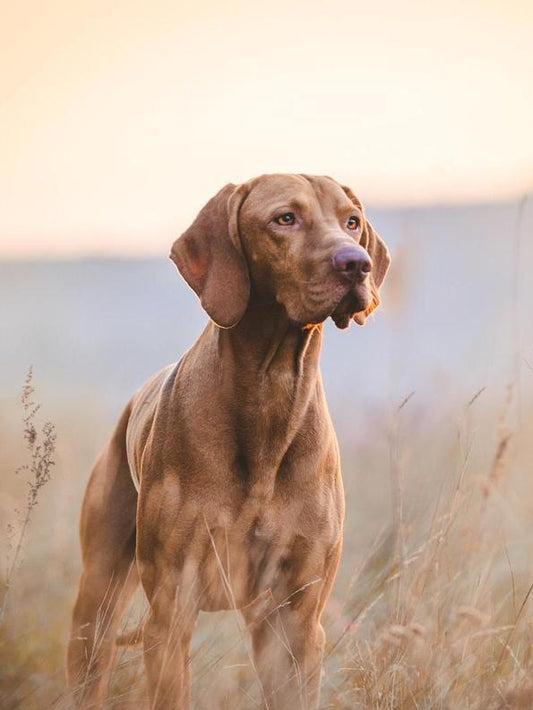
<point>221,485</point>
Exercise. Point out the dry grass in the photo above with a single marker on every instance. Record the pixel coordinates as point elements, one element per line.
<point>40,446</point>
<point>434,603</point>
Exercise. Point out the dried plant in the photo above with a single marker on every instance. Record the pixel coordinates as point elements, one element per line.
<point>41,446</point>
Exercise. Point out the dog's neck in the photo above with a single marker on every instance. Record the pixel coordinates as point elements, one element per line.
<point>269,386</point>
<point>266,344</point>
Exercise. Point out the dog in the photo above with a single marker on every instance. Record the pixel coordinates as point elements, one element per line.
<point>221,486</point>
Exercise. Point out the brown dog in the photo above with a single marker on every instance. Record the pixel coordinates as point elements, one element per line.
<point>240,502</point>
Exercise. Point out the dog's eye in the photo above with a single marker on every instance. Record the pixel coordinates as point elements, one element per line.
<point>353,222</point>
<point>285,219</point>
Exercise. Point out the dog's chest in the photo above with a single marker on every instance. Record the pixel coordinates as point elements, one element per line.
<point>265,549</point>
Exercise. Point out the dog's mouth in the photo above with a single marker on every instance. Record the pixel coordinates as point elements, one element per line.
<point>347,308</point>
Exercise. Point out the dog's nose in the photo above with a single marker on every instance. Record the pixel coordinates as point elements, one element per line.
<point>352,262</point>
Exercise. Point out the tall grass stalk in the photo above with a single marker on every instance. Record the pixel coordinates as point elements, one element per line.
<point>41,447</point>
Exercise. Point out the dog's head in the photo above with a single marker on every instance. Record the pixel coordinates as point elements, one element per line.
<point>298,240</point>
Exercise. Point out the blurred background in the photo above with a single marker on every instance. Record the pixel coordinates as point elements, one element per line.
<point>119,121</point>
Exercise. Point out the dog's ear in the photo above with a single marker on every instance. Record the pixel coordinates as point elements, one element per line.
<point>378,252</point>
<point>209,256</point>
<point>380,256</point>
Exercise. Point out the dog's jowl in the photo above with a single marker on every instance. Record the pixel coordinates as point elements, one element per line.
<point>221,487</point>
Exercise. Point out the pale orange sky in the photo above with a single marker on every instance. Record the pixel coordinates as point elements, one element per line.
<point>120,119</point>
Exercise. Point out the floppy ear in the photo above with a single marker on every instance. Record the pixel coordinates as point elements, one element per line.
<point>209,256</point>
<point>378,252</point>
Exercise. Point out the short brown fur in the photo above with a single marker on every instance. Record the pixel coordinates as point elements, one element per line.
<point>240,502</point>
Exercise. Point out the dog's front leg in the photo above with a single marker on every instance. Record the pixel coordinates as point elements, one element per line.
<point>288,652</point>
<point>288,638</point>
<point>168,570</point>
<point>288,645</point>
<point>166,639</point>
<point>166,655</point>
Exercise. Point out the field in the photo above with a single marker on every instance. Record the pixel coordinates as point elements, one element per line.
<point>433,606</point>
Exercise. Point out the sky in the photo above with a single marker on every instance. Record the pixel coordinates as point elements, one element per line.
<point>120,119</point>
